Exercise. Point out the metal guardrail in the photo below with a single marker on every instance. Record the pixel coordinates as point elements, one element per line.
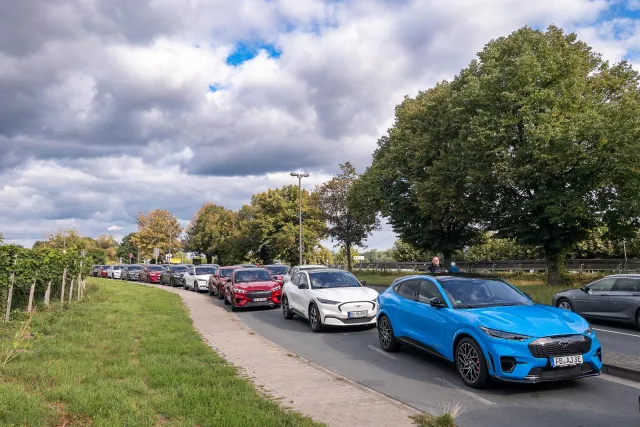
<point>537,265</point>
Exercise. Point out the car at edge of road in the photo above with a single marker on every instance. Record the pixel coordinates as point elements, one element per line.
<point>151,273</point>
<point>173,275</point>
<point>218,280</point>
<point>252,287</point>
<point>329,297</point>
<point>197,278</point>
<point>296,268</point>
<point>615,298</point>
<point>94,270</point>
<point>277,271</point>
<point>114,271</point>
<point>132,273</point>
<point>488,329</point>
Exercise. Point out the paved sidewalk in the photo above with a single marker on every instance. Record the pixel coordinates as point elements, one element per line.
<point>294,382</point>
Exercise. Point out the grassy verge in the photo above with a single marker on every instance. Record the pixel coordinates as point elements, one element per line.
<point>128,355</point>
<point>533,284</point>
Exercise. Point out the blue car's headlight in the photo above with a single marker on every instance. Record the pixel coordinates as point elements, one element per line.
<point>327,301</point>
<point>589,331</point>
<point>504,335</point>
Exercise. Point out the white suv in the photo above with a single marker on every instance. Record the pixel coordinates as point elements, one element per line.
<point>328,296</point>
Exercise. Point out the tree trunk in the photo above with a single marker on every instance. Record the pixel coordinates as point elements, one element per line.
<point>71,290</point>
<point>446,260</point>
<point>7,316</point>
<point>348,247</point>
<point>209,258</point>
<point>31,292</point>
<point>555,269</point>
<point>47,294</point>
<point>64,279</point>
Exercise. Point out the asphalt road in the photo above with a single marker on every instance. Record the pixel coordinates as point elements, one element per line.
<point>428,384</point>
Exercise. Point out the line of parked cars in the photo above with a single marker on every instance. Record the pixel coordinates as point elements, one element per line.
<point>484,326</point>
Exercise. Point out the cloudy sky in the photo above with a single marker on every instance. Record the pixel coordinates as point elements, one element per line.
<point>112,107</point>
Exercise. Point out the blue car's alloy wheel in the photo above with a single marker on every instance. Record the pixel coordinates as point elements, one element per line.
<point>471,363</point>
<point>385,334</point>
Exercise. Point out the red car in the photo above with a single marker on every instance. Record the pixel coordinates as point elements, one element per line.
<point>277,271</point>
<point>219,279</point>
<point>252,287</point>
<point>102,271</point>
<point>151,273</point>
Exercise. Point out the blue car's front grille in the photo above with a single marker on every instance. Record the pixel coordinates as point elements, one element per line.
<point>560,346</point>
<point>560,373</point>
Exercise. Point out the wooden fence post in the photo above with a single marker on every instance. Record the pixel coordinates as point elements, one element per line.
<point>47,294</point>
<point>33,289</point>
<point>7,316</point>
<point>79,286</point>
<point>71,290</point>
<point>64,279</point>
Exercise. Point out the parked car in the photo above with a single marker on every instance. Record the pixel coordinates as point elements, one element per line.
<point>151,273</point>
<point>218,280</point>
<point>252,287</point>
<point>488,329</point>
<point>248,265</point>
<point>277,272</point>
<point>133,272</point>
<point>94,270</point>
<point>615,297</point>
<point>114,271</point>
<point>329,297</point>
<point>296,268</point>
<point>123,272</point>
<point>103,271</point>
<point>197,278</point>
<point>173,275</point>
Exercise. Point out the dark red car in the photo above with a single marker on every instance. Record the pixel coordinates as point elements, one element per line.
<point>219,279</point>
<point>277,271</point>
<point>151,273</point>
<point>102,271</point>
<point>252,287</point>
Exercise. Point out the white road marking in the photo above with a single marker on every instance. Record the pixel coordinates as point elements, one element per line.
<point>383,353</point>
<point>615,332</point>
<point>344,333</point>
<point>467,392</point>
<point>621,381</point>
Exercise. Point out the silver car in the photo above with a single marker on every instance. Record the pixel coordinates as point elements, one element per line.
<point>615,297</point>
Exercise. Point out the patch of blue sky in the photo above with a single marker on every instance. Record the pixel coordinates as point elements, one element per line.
<point>247,50</point>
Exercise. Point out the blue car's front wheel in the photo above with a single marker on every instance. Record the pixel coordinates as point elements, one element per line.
<point>471,364</point>
<point>385,334</point>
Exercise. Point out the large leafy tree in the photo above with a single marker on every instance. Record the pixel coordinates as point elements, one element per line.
<point>269,225</point>
<point>347,224</point>
<point>126,247</point>
<point>212,231</point>
<point>551,141</point>
<point>417,180</point>
<point>157,229</point>
<point>404,252</point>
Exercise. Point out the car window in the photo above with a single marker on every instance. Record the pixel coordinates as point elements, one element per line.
<point>303,279</point>
<point>428,290</point>
<point>277,270</point>
<point>296,279</point>
<point>180,269</point>
<point>627,285</point>
<point>248,276</point>
<point>408,289</point>
<point>605,284</point>
<point>205,270</point>
<point>471,292</point>
<point>332,279</point>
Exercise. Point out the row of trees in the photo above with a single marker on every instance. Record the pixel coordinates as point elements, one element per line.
<point>537,141</point>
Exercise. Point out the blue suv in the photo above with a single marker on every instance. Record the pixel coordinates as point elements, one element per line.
<point>487,328</point>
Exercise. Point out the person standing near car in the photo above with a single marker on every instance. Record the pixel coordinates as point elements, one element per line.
<point>454,268</point>
<point>435,266</point>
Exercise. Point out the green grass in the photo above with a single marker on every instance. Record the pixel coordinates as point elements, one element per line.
<point>531,283</point>
<point>126,356</point>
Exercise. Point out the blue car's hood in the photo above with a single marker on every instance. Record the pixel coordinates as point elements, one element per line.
<point>531,320</point>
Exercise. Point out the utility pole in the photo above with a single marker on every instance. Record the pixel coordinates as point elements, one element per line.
<point>300,176</point>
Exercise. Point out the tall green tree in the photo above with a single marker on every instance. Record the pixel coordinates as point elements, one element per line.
<point>157,229</point>
<point>550,140</point>
<point>211,231</point>
<point>416,179</point>
<point>269,225</point>
<point>347,225</point>
<point>126,247</point>
<point>404,252</point>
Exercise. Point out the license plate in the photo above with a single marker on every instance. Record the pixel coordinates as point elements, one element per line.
<point>558,362</point>
<point>259,299</point>
<point>353,314</point>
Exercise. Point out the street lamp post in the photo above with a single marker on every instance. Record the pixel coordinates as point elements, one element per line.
<point>300,176</point>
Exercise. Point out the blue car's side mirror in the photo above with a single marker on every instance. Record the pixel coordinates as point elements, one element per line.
<point>436,302</point>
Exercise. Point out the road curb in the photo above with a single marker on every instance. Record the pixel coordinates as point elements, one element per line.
<point>621,365</point>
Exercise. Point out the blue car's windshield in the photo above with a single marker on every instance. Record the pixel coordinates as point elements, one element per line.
<point>477,292</point>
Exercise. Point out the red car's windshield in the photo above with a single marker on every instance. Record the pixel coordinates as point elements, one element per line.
<point>247,276</point>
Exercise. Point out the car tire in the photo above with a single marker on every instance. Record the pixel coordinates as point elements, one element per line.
<point>184,286</point>
<point>171,283</point>
<point>638,319</point>
<point>209,292</point>
<point>471,364</point>
<point>286,313</point>
<point>226,301</point>
<point>233,307</point>
<point>564,304</point>
<point>314,318</point>
<point>220,293</point>
<point>386,336</point>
